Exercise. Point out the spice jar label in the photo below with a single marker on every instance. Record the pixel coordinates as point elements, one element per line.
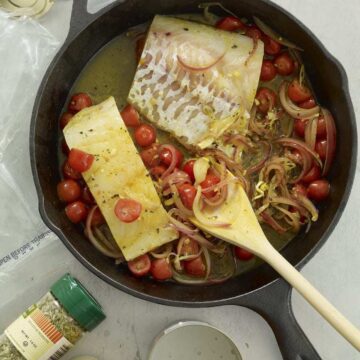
<point>36,338</point>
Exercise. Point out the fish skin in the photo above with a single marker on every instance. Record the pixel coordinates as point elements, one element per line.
<point>195,81</point>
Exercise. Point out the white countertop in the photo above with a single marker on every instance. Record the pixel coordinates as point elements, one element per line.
<point>132,324</point>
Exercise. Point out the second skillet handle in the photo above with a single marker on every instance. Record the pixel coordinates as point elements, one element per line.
<point>273,303</point>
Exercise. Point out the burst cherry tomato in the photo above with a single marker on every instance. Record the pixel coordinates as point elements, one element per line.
<point>189,169</point>
<point>128,210</point>
<point>190,247</point>
<point>68,190</point>
<point>299,189</point>
<point>299,127</point>
<point>187,194</point>
<point>313,174</point>
<point>318,190</point>
<point>284,64</point>
<point>253,32</point>
<point>297,92</point>
<point>140,266</point>
<point>308,104</point>
<point>157,171</point>
<point>80,161</point>
<point>321,128</point>
<point>243,254</point>
<point>150,155</point>
<point>69,172</point>
<point>230,23</point>
<point>97,218</point>
<point>65,119</point>
<point>266,98</point>
<point>195,267</point>
<point>130,116</point>
<point>166,157</point>
<point>320,148</point>
<point>209,181</point>
<point>161,269</point>
<point>78,102</point>
<point>76,211</point>
<point>87,197</point>
<point>145,135</point>
<point>268,71</point>
<point>271,46</point>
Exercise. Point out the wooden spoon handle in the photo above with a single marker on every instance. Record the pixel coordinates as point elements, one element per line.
<point>312,295</point>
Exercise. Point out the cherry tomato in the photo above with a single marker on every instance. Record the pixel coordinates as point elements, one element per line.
<point>128,210</point>
<point>318,190</point>
<point>300,189</point>
<point>189,169</point>
<point>161,269</point>
<point>157,171</point>
<point>271,46</point>
<point>268,71</point>
<point>284,64</point>
<point>150,155</point>
<point>254,32</point>
<point>98,218</point>
<point>166,157</point>
<point>190,247</point>
<point>65,119</point>
<point>68,190</point>
<point>69,172</point>
<point>308,104</point>
<point>187,194</point>
<point>299,127</point>
<point>130,116</point>
<point>321,128</point>
<point>140,266</point>
<point>297,92</point>
<point>78,102</point>
<point>79,160</point>
<point>86,196</point>
<point>145,135</point>
<point>243,254</point>
<point>313,174</point>
<point>195,267</point>
<point>230,23</point>
<point>266,98</point>
<point>140,43</point>
<point>64,147</point>
<point>76,211</point>
<point>209,181</point>
<point>320,148</point>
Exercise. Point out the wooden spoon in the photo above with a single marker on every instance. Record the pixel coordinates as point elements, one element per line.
<point>245,231</point>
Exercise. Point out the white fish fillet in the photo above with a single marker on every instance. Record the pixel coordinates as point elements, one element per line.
<point>194,80</point>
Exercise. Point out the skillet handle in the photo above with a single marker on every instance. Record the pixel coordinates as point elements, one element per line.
<point>273,303</point>
<point>80,18</point>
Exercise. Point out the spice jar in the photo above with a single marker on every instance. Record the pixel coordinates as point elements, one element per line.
<point>49,328</point>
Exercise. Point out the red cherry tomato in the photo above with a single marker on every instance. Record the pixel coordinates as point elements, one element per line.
<point>266,98</point>
<point>254,32</point>
<point>69,172</point>
<point>189,169</point>
<point>166,157</point>
<point>80,161</point>
<point>284,64</point>
<point>76,211</point>
<point>230,23</point>
<point>320,148</point>
<point>268,71</point>
<point>98,218</point>
<point>65,119</point>
<point>271,46</point>
<point>313,174</point>
<point>140,43</point>
<point>78,102</point>
<point>297,92</point>
<point>187,194</point>
<point>161,269</point>
<point>87,197</point>
<point>140,266</point>
<point>318,190</point>
<point>145,135</point>
<point>308,104</point>
<point>243,254</point>
<point>68,190</point>
<point>130,116</point>
<point>300,189</point>
<point>299,127</point>
<point>190,247</point>
<point>150,155</point>
<point>321,128</point>
<point>195,267</point>
<point>64,147</point>
<point>157,171</point>
<point>128,210</point>
<point>209,181</point>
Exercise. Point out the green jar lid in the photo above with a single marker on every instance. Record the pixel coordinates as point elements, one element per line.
<point>78,302</point>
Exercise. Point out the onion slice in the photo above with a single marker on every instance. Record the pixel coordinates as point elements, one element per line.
<point>172,165</point>
<point>204,67</point>
<point>310,132</point>
<point>330,140</point>
<point>272,222</point>
<point>307,204</point>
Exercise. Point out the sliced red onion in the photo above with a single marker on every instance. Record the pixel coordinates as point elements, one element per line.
<point>172,165</point>
<point>272,222</point>
<point>330,140</point>
<point>310,132</point>
<point>218,199</point>
<point>294,220</point>
<point>164,254</point>
<point>253,51</point>
<point>290,202</point>
<point>255,168</point>
<point>238,138</point>
<point>307,204</point>
<point>178,202</point>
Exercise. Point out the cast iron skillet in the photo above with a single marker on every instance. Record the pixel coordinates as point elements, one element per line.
<point>260,289</point>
